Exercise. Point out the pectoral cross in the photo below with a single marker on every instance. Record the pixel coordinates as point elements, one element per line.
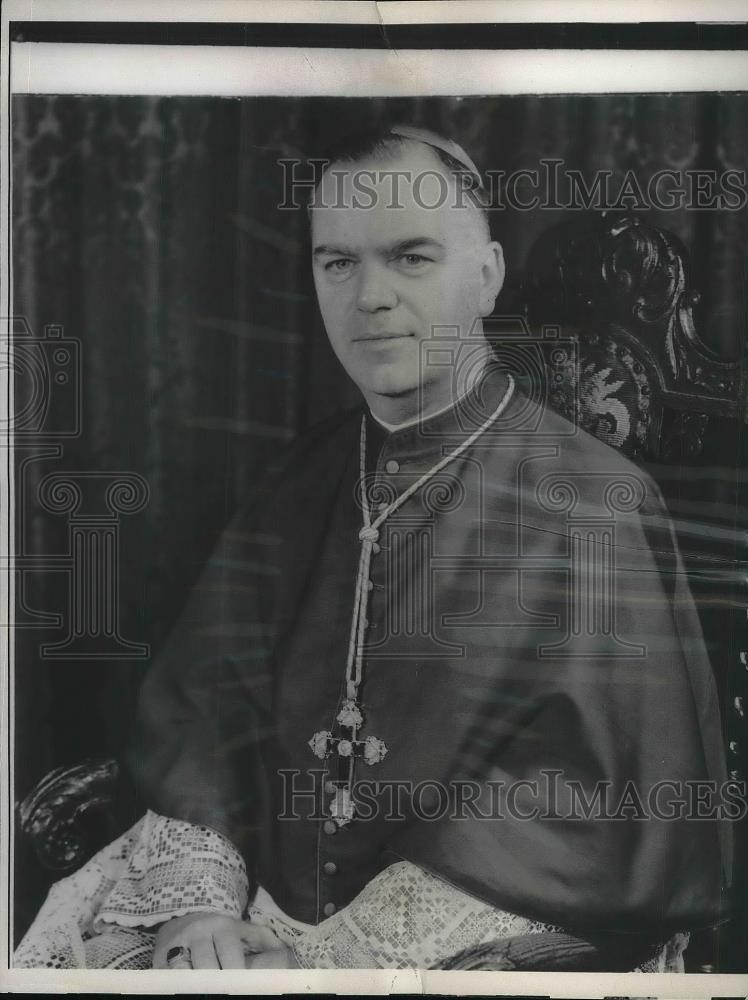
<point>371,750</point>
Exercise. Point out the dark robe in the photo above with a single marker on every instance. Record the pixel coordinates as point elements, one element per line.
<point>482,666</point>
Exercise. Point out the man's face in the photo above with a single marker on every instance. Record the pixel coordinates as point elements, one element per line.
<point>386,276</point>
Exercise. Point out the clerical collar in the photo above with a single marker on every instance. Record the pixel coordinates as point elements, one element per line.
<point>392,428</point>
<point>418,442</point>
<point>418,419</point>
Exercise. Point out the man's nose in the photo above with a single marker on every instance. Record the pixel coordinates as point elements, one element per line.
<point>375,289</point>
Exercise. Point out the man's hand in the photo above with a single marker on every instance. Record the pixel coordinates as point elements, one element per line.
<point>278,958</point>
<point>216,942</point>
<point>267,955</point>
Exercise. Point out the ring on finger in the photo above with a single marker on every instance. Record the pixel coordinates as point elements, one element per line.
<point>179,957</point>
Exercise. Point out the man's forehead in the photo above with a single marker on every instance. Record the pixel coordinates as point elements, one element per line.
<point>390,198</point>
<point>356,228</point>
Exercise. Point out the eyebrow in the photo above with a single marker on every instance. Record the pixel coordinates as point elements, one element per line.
<point>417,241</point>
<point>397,248</point>
<point>324,248</point>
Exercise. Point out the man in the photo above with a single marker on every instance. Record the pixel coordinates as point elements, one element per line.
<point>406,665</point>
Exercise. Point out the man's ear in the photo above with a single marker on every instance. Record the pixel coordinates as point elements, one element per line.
<point>493,271</point>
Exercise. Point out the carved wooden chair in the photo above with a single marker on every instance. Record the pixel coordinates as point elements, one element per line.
<point>640,378</point>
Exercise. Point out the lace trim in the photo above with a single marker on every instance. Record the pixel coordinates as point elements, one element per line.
<point>161,868</point>
<point>405,918</point>
<point>176,868</point>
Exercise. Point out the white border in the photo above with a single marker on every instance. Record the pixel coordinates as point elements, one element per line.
<point>551,11</point>
<point>378,982</point>
<point>386,12</point>
<point>72,68</point>
<point>7,533</point>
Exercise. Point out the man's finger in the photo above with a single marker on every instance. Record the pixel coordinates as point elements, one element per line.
<point>260,938</point>
<point>159,958</point>
<point>171,956</point>
<point>278,958</point>
<point>229,948</point>
<point>204,954</point>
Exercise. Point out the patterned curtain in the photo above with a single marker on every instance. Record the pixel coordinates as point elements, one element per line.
<point>148,229</point>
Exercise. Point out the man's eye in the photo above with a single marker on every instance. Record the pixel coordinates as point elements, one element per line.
<point>339,266</point>
<point>413,260</point>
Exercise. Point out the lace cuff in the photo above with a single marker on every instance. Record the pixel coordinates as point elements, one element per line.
<point>176,868</point>
<point>404,918</point>
<point>160,868</point>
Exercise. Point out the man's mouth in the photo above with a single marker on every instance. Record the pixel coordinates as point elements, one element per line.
<point>386,335</point>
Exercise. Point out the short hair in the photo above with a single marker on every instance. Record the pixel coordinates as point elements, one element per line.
<point>386,141</point>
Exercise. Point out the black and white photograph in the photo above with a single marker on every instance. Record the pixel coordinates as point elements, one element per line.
<point>375,580</point>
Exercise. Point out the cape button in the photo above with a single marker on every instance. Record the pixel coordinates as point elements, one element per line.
<point>328,909</point>
<point>330,868</point>
<point>392,467</point>
<point>330,827</point>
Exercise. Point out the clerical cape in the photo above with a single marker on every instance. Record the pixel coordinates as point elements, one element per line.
<point>530,635</point>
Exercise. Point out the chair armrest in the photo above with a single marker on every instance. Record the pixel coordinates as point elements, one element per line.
<point>73,812</point>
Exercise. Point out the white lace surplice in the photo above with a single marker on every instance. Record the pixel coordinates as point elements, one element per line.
<point>160,868</point>
<point>106,914</point>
